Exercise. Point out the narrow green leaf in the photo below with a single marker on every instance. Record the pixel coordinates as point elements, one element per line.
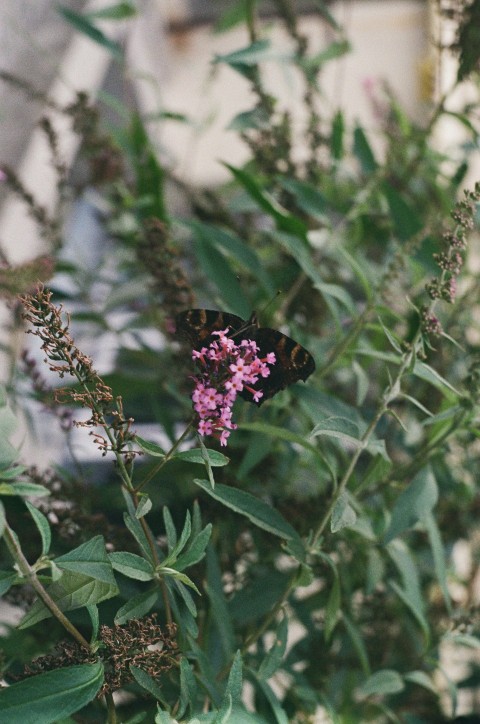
<point>220,614</point>
<point>279,432</point>
<point>24,489</point>
<point>92,611</point>
<point>256,52</point>
<point>273,658</point>
<point>148,683</point>
<point>235,680</point>
<point>118,11</point>
<point>332,611</point>
<point>43,526</point>
<point>341,428</point>
<point>144,506</point>
<point>149,447</point>
<point>343,515</point>
<point>413,504</point>
<point>177,576</point>
<point>386,681</point>
<point>258,512</point>
<point>3,520</point>
<point>131,565</point>
<point>188,688</point>
<point>138,533</point>
<point>136,607</point>
<point>284,220</point>
<point>90,559</point>
<point>363,151</point>
<point>277,710</point>
<point>186,596</point>
<point>338,132</point>
<point>422,679</point>
<point>194,455</point>
<point>170,530</point>
<point>195,551</point>
<point>84,26</point>
<point>219,270</point>
<point>406,221</point>
<point>49,697</point>
<point>428,374</point>
<point>307,196</point>
<point>358,644</point>
<point>73,590</point>
<point>438,558</point>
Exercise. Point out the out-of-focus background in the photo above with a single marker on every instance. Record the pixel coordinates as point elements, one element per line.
<point>170,46</point>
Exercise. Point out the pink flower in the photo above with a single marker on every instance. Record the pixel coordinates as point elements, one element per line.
<point>227,368</point>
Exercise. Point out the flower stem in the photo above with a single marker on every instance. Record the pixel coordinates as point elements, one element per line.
<point>16,552</point>
<point>166,458</point>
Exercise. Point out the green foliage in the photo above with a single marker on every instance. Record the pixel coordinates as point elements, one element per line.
<point>316,560</point>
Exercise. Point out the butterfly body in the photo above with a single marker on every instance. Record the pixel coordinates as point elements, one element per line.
<point>293,362</point>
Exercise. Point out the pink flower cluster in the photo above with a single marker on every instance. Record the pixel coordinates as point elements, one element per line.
<point>227,368</point>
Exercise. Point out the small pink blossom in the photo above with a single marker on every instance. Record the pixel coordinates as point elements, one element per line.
<point>227,368</point>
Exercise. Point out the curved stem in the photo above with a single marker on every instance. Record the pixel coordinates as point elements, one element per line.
<point>24,566</point>
<point>166,458</point>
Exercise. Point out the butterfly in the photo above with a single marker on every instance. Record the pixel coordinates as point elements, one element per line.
<point>293,362</point>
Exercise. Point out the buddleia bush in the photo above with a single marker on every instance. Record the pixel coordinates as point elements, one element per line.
<point>228,561</point>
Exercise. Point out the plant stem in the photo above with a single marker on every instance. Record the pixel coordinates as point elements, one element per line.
<point>24,566</point>
<point>166,458</point>
<point>111,712</point>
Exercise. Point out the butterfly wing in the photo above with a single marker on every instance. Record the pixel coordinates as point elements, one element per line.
<point>197,325</point>
<point>293,362</point>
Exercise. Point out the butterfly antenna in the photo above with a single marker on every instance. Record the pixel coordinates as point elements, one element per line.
<point>270,301</point>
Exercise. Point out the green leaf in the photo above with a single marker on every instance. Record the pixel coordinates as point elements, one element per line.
<point>278,712</point>
<point>386,681</point>
<point>341,428</point>
<point>144,506</point>
<point>138,533</point>
<point>438,558</point>
<point>363,151</point>
<point>73,590</point>
<point>257,118</point>
<point>406,222</point>
<point>307,196</point>
<point>149,447</point>
<point>131,565</point>
<point>335,50</point>
<point>43,526</point>
<point>332,611</point>
<point>238,252</point>
<point>136,607</point>
<point>49,697</point>
<point>90,559</point>
<point>118,11</point>
<point>279,432</point>
<point>217,268</point>
<point>258,512</point>
<point>220,613</point>
<point>338,132</point>
<point>284,219</point>
<point>273,659</point>
<point>24,489</point>
<point>235,680</point>
<point>194,455</point>
<point>358,644</point>
<point>196,549</point>
<point>422,679</point>
<point>413,504</point>
<point>95,621</point>
<point>428,374</point>
<point>258,51</point>
<point>84,26</point>
<point>188,688</point>
<point>148,683</point>
<point>170,530</point>
<point>343,515</point>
